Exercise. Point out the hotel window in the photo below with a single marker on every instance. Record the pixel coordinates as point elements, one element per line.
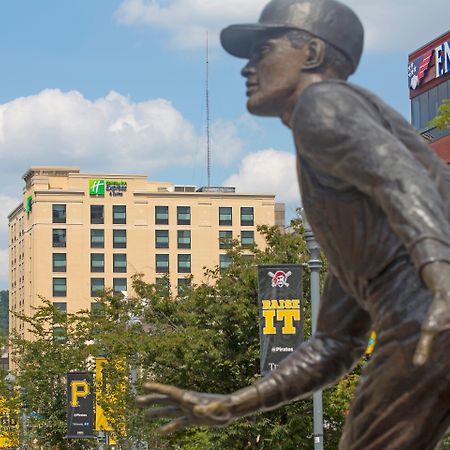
<point>225,262</point>
<point>184,286</point>
<point>59,335</point>
<point>120,262</point>
<point>97,262</point>
<point>184,238</point>
<point>59,262</point>
<point>183,215</point>
<point>97,309</point>
<point>162,286</point>
<point>59,237</point>
<point>161,215</point>
<point>97,286</point>
<point>247,239</point>
<point>119,214</point>
<point>61,306</point>
<point>161,238</point>
<point>225,239</point>
<point>246,216</point>
<point>97,238</point>
<point>59,213</point>
<point>162,263</point>
<point>184,263</point>
<point>225,216</point>
<point>97,214</point>
<point>119,285</point>
<point>59,287</point>
<point>120,238</point>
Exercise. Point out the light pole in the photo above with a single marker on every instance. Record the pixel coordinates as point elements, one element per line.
<point>315,264</point>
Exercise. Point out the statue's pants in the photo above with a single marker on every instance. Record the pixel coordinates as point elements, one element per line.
<point>398,406</point>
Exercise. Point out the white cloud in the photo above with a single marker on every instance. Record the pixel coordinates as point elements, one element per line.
<point>269,171</point>
<point>109,134</point>
<point>389,25</point>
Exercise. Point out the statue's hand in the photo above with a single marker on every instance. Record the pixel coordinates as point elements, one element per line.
<point>436,276</point>
<point>185,407</point>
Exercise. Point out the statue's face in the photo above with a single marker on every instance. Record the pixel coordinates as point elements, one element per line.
<point>273,73</point>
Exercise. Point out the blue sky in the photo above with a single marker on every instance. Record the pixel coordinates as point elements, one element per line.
<point>119,86</point>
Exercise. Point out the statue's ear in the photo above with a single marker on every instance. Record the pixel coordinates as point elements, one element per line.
<point>316,49</point>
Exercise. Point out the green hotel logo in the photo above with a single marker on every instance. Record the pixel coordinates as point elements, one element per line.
<point>96,187</point>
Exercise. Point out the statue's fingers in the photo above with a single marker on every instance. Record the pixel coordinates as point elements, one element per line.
<point>154,399</point>
<point>169,411</point>
<point>175,425</point>
<point>164,389</point>
<point>423,348</point>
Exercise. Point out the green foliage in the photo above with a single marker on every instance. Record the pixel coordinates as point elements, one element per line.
<point>206,340</point>
<point>442,120</point>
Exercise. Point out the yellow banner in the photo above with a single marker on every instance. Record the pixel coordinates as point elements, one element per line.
<point>372,342</point>
<point>101,422</point>
<point>9,425</point>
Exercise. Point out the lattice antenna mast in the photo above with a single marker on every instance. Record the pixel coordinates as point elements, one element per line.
<point>208,149</point>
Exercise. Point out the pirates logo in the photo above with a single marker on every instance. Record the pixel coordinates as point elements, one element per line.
<point>279,278</point>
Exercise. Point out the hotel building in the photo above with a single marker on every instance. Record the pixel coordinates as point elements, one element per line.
<point>75,234</point>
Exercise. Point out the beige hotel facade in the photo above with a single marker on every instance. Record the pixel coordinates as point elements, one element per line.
<point>75,234</point>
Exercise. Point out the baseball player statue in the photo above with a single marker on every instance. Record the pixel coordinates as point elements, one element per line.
<point>377,199</point>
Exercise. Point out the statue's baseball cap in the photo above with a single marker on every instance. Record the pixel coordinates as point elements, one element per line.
<point>329,20</point>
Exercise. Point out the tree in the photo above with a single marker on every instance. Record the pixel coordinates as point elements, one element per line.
<point>60,345</point>
<point>442,120</point>
<point>205,339</point>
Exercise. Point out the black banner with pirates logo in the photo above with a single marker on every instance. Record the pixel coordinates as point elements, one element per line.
<point>80,405</point>
<point>280,312</point>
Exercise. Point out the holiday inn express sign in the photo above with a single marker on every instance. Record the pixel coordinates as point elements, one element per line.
<point>114,188</point>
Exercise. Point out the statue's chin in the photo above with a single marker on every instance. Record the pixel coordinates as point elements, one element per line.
<point>260,109</point>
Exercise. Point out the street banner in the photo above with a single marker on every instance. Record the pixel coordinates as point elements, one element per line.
<point>9,425</point>
<point>80,405</point>
<point>280,298</point>
<point>111,394</point>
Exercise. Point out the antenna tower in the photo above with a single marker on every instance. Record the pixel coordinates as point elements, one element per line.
<point>208,150</point>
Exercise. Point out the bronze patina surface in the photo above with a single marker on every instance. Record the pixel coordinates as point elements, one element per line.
<point>377,199</point>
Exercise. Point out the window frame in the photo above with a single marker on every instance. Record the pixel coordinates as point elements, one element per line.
<point>94,244</point>
<point>119,257</point>
<point>248,233</point>
<point>119,244</point>
<point>182,245</point>
<point>94,218</point>
<point>161,221</point>
<point>183,221</point>
<point>95,293</point>
<point>161,244</point>
<point>61,269</point>
<point>246,222</point>
<point>54,243</point>
<point>97,269</point>
<point>118,291</point>
<point>183,269</point>
<point>223,241</point>
<point>225,222</point>
<point>59,293</point>
<point>159,256</point>
<point>57,217</point>
<point>120,220</point>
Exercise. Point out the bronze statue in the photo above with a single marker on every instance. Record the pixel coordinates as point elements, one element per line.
<point>377,199</point>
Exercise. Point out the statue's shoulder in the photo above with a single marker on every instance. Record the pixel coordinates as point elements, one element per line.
<point>329,105</point>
